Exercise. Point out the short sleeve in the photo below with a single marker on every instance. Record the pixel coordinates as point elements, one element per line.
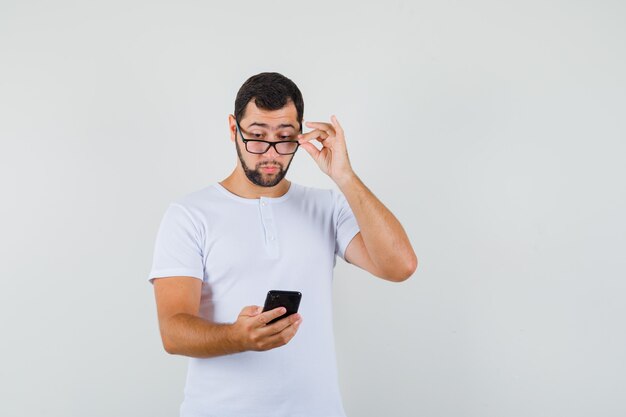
<point>178,248</point>
<point>345,223</point>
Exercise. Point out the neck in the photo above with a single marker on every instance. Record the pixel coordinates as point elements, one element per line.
<point>238,184</point>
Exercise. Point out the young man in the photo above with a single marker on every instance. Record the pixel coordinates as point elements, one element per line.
<point>220,249</point>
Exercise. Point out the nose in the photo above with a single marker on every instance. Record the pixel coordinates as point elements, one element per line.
<point>271,152</point>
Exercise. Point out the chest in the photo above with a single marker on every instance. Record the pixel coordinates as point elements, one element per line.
<point>259,234</point>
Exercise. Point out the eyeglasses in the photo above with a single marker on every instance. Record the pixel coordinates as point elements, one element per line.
<point>258,146</point>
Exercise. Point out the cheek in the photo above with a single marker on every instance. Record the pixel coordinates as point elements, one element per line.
<point>252,160</point>
<point>289,159</point>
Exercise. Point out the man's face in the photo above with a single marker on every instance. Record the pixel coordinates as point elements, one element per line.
<point>269,168</point>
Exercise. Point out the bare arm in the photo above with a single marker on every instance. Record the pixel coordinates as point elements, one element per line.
<point>382,246</point>
<point>183,332</point>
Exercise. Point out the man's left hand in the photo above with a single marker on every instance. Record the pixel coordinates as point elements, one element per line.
<point>332,158</point>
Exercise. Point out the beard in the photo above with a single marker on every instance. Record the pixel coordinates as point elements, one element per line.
<point>259,178</point>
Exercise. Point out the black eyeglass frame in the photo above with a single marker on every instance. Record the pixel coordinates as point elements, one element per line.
<point>269,144</point>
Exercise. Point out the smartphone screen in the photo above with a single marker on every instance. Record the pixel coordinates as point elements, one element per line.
<point>280,298</point>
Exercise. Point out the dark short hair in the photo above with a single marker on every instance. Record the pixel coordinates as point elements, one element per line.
<point>270,91</point>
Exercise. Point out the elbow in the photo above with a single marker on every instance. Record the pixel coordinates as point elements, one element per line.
<point>411,267</point>
<point>168,346</point>
<point>170,335</point>
<point>405,272</point>
<point>169,349</point>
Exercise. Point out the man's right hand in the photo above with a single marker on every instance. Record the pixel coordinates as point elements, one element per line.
<point>252,332</point>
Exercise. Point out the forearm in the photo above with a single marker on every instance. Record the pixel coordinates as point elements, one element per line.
<point>384,237</point>
<point>188,335</point>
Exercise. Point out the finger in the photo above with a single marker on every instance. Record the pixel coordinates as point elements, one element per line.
<point>311,150</point>
<point>268,316</point>
<point>326,127</point>
<point>282,338</point>
<point>336,124</point>
<point>314,134</point>
<point>250,311</point>
<point>280,325</point>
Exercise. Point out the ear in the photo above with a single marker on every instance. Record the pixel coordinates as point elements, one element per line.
<point>232,127</point>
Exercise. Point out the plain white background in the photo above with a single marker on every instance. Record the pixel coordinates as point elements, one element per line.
<point>494,130</point>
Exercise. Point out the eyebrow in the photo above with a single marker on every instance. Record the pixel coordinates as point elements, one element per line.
<point>265,125</point>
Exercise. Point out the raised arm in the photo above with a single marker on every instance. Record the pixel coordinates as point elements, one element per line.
<point>382,246</point>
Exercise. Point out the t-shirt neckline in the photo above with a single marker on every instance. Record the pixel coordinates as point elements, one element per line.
<point>270,200</point>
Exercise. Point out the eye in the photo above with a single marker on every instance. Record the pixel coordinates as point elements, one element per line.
<point>285,137</point>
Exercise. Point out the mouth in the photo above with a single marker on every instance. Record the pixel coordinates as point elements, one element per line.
<point>270,169</point>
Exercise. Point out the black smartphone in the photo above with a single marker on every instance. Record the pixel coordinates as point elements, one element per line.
<point>279,298</point>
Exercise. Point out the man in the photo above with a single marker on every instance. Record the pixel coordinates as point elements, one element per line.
<point>220,249</point>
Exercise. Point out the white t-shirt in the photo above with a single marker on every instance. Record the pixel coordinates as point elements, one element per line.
<point>241,248</point>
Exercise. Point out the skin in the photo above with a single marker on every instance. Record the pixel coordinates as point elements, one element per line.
<point>237,182</point>
<point>381,247</point>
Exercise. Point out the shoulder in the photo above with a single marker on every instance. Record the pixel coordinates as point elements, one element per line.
<point>198,197</point>
<point>197,205</point>
<point>203,201</point>
<point>320,200</point>
<point>314,199</point>
<point>314,194</point>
